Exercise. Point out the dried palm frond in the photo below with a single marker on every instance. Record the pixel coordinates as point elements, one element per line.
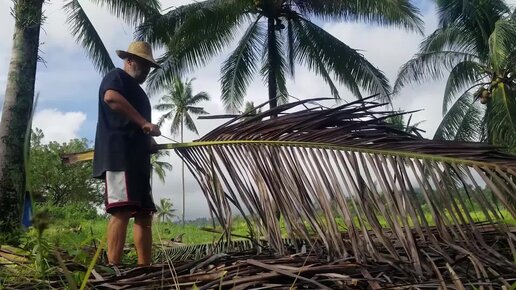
<point>352,184</point>
<point>72,158</point>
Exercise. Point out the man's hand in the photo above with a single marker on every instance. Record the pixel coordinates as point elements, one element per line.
<point>151,129</point>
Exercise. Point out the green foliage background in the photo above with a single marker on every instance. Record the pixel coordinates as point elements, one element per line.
<point>52,181</point>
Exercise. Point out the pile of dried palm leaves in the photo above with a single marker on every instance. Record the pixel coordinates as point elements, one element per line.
<point>308,269</point>
<point>377,206</point>
<point>453,268</point>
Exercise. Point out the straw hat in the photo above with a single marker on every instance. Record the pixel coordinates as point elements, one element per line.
<point>140,49</point>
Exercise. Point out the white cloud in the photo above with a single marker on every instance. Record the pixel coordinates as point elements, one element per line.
<point>389,49</point>
<point>58,126</point>
<point>56,32</point>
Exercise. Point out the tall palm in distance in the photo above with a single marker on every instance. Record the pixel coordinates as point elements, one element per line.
<point>279,34</point>
<point>475,44</point>
<point>179,105</point>
<point>165,210</point>
<point>250,109</point>
<point>160,167</point>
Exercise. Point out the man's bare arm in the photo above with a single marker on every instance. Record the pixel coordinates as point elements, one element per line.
<point>120,105</point>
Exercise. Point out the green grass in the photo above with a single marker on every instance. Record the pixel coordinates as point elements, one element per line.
<point>65,233</point>
<point>75,231</point>
<point>77,237</point>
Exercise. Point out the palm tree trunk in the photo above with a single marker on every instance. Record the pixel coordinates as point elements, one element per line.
<point>17,109</point>
<point>183,177</point>
<point>271,40</point>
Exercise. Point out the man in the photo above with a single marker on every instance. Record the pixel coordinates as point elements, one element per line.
<point>123,144</point>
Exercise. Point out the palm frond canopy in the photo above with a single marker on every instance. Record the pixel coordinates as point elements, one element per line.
<point>132,12</point>
<point>348,182</point>
<point>462,122</point>
<point>474,43</point>
<point>475,19</point>
<point>86,35</point>
<point>277,35</point>
<point>180,104</point>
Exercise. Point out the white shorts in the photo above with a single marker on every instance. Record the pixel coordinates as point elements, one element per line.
<point>127,190</point>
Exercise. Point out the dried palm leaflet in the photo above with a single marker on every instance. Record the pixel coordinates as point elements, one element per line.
<point>327,171</point>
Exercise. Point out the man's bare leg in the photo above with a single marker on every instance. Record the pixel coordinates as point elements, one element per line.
<point>116,232</point>
<point>142,233</point>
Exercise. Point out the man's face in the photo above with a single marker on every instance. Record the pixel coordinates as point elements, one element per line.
<point>141,69</point>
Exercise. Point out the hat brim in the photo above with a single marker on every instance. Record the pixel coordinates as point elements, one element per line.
<point>124,54</point>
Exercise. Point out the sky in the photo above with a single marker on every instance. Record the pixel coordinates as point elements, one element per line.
<point>67,82</point>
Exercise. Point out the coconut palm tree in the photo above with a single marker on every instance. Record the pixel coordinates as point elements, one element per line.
<point>19,93</point>
<point>474,43</point>
<point>179,106</point>
<point>19,96</point>
<point>165,210</point>
<point>278,35</point>
<point>160,167</point>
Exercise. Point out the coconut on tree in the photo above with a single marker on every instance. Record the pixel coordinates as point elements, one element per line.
<point>474,42</point>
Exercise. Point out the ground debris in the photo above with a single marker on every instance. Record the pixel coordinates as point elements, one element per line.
<point>448,267</point>
<point>451,269</point>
